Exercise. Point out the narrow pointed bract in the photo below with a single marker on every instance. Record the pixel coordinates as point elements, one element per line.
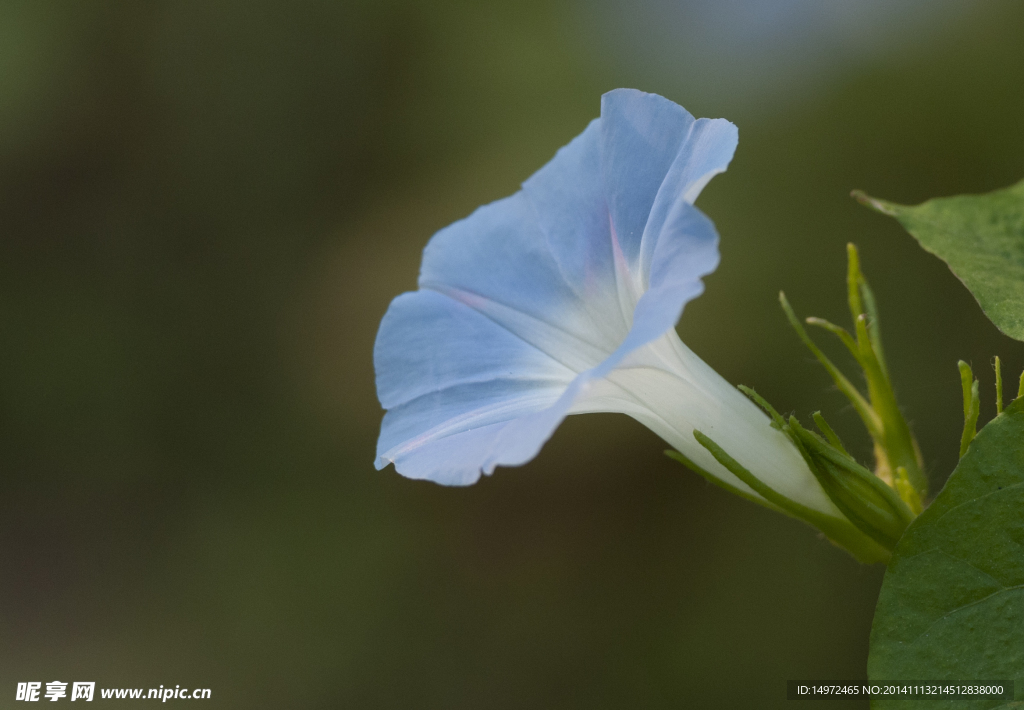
<point>894,445</point>
<point>880,505</point>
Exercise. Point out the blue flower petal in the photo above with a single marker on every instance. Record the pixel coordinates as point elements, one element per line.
<point>451,378</point>
<point>528,300</point>
<point>430,357</point>
<point>655,153</point>
<point>685,249</point>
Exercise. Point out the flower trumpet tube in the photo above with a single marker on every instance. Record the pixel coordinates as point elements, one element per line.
<point>562,299</point>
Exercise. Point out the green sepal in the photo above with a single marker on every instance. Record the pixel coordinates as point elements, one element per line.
<point>777,421</point>
<point>703,473</point>
<point>880,511</point>
<point>832,437</point>
<point>875,508</point>
<point>840,531</point>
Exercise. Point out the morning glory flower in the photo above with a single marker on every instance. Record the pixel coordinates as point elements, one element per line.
<point>562,299</point>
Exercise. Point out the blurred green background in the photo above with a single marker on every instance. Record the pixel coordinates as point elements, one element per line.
<point>205,209</point>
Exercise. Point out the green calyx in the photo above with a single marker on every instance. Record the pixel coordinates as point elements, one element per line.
<point>873,507</point>
<point>897,456</point>
<point>873,516</point>
<point>843,531</point>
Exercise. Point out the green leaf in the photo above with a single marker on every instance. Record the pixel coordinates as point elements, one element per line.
<point>952,602</point>
<point>981,238</point>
